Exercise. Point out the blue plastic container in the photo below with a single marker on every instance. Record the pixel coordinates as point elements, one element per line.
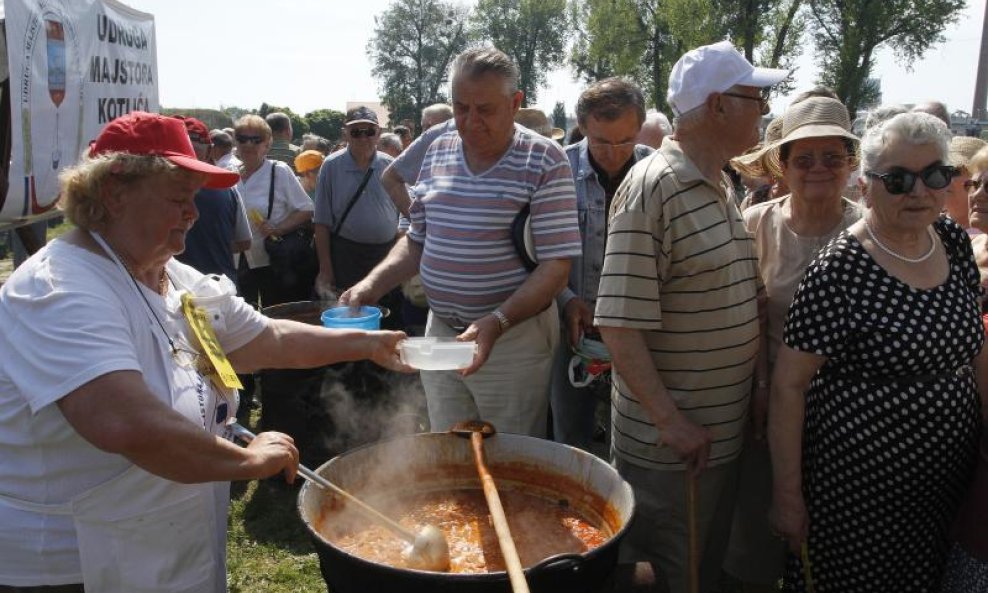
<point>368,318</point>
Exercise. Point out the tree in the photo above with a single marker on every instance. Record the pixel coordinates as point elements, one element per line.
<point>559,116</point>
<point>299,125</point>
<point>235,112</point>
<point>327,123</point>
<point>641,39</point>
<point>413,45</point>
<point>848,34</point>
<point>766,31</point>
<point>586,57</point>
<point>627,38</point>
<point>532,32</point>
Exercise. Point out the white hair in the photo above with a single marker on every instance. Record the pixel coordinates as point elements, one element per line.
<point>914,128</point>
<point>653,115</point>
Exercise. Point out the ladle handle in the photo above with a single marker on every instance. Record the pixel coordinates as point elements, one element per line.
<point>247,436</point>
<point>511,561</point>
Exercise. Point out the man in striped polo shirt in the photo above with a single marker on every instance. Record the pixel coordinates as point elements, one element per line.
<point>474,181</point>
<point>677,307</point>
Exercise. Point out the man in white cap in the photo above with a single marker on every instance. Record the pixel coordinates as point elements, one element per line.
<point>677,308</point>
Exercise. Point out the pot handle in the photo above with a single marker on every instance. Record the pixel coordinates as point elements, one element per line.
<point>569,562</point>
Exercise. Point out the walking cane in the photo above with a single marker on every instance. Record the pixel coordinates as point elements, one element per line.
<point>694,546</point>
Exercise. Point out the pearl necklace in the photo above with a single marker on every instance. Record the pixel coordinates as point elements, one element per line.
<point>911,260</point>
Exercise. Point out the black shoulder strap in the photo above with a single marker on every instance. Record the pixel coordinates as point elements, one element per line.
<point>353,199</point>
<point>271,190</point>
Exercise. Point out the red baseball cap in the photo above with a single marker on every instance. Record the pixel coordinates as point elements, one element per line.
<point>198,132</point>
<point>143,133</point>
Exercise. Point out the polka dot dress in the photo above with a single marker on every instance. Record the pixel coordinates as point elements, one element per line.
<point>890,434</point>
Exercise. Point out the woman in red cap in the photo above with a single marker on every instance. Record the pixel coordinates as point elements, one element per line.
<point>117,386</point>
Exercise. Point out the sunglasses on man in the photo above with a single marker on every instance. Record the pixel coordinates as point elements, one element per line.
<point>902,181</point>
<point>244,139</point>
<point>361,132</point>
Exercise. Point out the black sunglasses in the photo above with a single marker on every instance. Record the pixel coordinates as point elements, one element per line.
<point>252,139</point>
<point>901,181</point>
<point>361,132</point>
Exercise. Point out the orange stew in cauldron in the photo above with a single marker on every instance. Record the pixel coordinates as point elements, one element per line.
<point>540,528</point>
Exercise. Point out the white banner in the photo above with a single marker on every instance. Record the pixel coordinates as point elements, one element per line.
<point>74,65</point>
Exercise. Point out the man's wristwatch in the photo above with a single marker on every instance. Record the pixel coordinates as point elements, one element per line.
<point>502,320</point>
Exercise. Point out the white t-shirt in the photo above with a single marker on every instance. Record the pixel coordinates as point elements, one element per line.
<point>69,316</point>
<point>289,197</point>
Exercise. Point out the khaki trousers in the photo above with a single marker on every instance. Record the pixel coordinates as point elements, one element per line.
<point>660,533</point>
<point>511,390</point>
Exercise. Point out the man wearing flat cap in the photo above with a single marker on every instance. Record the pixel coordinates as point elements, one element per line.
<point>677,308</point>
<point>355,220</point>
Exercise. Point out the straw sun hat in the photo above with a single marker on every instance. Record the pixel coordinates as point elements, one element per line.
<point>816,117</point>
<point>963,149</point>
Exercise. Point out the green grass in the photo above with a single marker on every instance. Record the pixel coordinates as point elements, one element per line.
<point>268,549</point>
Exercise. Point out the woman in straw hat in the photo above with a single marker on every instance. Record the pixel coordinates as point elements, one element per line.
<point>813,156</point>
<point>117,386</point>
<point>875,409</point>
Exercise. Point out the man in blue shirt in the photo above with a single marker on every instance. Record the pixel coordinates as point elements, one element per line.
<point>609,113</point>
<point>355,220</point>
<point>222,228</point>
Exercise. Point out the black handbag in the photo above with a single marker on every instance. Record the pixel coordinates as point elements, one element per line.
<point>292,255</point>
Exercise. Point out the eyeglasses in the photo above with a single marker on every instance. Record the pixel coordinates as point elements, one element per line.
<point>241,139</point>
<point>611,148</point>
<point>762,101</point>
<point>361,132</point>
<point>901,181</point>
<point>805,162</point>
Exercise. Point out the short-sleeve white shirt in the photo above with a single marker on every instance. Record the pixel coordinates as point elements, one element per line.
<point>70,316</point>
<point>289,197</point>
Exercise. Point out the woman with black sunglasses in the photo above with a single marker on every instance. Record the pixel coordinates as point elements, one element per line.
<point>875,395</point>
<point>277,206</point>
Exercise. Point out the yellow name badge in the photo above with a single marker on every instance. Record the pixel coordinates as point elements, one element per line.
<point>198,319</point>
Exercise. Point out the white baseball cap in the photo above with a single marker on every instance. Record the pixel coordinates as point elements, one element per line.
<point>714,69</point>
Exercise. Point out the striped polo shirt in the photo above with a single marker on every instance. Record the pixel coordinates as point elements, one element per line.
<point>463,220</point>
<point>680,266</point>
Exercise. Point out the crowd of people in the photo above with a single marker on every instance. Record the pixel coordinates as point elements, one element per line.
<point>788,324</point>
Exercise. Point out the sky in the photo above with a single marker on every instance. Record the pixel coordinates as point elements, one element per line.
<point>311,54</point>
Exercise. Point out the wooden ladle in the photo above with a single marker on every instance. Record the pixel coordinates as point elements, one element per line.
<point>477,431</point>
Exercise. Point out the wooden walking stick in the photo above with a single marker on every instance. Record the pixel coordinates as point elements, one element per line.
<point>694,544</point>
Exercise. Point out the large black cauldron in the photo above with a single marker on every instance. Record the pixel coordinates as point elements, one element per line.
<point>430,462</point>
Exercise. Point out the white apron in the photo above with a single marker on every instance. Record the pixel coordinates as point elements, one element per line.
<point>140,533</point>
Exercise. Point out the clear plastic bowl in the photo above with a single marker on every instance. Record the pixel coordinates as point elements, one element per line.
<point>436,354</point>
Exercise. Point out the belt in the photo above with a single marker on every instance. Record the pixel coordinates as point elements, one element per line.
<point>460,326</point>
<point>456,326</point>
<point>965,370</point>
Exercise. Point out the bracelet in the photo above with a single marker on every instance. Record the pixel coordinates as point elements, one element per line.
<point>502,320</point>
